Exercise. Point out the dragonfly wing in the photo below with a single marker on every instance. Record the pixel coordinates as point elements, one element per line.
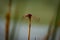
<point>35,19</point>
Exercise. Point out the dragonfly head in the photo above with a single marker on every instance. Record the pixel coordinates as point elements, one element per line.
<point>28,15</point>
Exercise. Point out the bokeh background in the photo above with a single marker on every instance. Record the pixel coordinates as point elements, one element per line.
<point>43,9</point>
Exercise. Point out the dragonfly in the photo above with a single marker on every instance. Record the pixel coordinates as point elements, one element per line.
<point>30,17</point>
<point>34,18</point>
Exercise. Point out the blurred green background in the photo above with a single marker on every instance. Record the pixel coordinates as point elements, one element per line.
<point>45,9</point>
